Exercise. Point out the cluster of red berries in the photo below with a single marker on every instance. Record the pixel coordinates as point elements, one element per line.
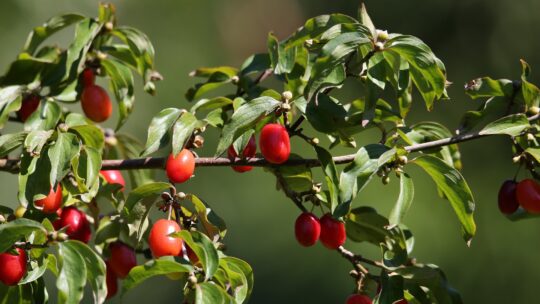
<point>526,194</point>
<point>308,229</point>
<point>274,143</point>
<point>364,299</point>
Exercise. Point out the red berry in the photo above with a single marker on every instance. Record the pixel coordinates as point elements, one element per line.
<point>29,105</point>
<point>249,151</point>
<point>96,103</point>
<point>12,267</point>
<point>52,202</point>
<point>332,232</point>
<point>307,229</point>
<point>358,299</point>
<point>161,244</point>
<point>113,177</point>
<point>528,195</point>
<point>88,77</point>
<point>78,227</point>
<point>275,143</point>
<point>123,259</point>
<point>508,203</point>
<point>112,281</point>
<point>180,168</point>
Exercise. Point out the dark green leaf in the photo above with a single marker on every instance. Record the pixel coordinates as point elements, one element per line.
<point>10,142</point>
<point>330,174</point>
<point>158,131</point>
<point>45,118</point>
<point>15,230</point>
<point>72,277</point>
<point>487,87</point>
<point>512,125</point>
<point>281,58</point>
<point>203,247</point>
<point>455,188</point>
<point>90,135</point>
<point>153,268</point>
<point>209,293</point>
<point>182,131</point>
<point>405,199</point>
<point>211,223</point>
<point>51,26</point>
<point>364,224</point>
<point>95,269</point>
<point>61,154</point>
<point>255,63</point>
<point>122,85</point>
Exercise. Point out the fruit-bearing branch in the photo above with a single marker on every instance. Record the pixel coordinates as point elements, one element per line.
<point>12,165</point>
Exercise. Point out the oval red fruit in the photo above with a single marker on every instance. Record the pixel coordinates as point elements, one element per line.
<point>96,103</point>
<point>78,227</point>
<point>161,244</point>
<point>88,77</point>
<point>249,151</point>
<point>122,259</point>
<point>52,202</point>
<point>528,195</point>
<point>332,232</point>
<point>112,281</point>
<point>508,202</point>
<point>113,177</point>
<point>12,267</point>
<point>358,299</point>
<point>29,105</point>
<point>275,143</point>
<point>307,229</point>
<point>180,168</point>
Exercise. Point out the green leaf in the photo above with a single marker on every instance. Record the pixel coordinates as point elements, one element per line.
<point>34,178</point>
<point>298,178</point>
<point>315,27</point>
<point>152,268</point>
<point>143,51</point>
<point>424,66</point>
<point>217,77</point>
<point>364,19</point>
<point>51,26</point>
<point>85,33</point>
<point>405,199</point>
<point>36,140</point>
<point>45,118</point>
<point>122,86</point>
<point>39,267</point>
<point>13,231</point>
<point>10,142</point>
<point>281,58</point>
<point>244,118</point>
<point>72,277</point>
<point>209,293</point>
<point>357,174</point>
<point>364,224</point>
<point>90,135</point>
<point>145,191</point>
<point>10,101</point>
<point>236,268</point>
<point>182,131</point>
<point>455,188</point>
<point>211,223</point>
<point>255,63</point>
<point>512,125</point>
<point>158,131</point>
<point>95,269</point>
<point>61,154</point>
<point>487,87</point>
<point>330,174</point>
<point>210,104</point>
<point>203,247</point>
<point>86,168</point>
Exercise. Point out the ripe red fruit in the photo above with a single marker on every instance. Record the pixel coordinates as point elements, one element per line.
<point>307,229</point>
<point>358,299</point>
<point>332,232</point>
<point>52,202</point>
<point>78,227</point>
<point>88,77</point>
<point>12,267</point>
<point>96,103</point>
<point>508,202</point>
<point>249,151</point>
<point>275,143</point>
<point>180,168</point>
<point>29,105</point>
<point>122,259</point>
<point>528,195</point>
<point>112,281</point>
<point>113,177</point>
<point>161,244</point>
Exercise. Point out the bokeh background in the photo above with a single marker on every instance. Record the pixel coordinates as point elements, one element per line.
<point>474,38</point>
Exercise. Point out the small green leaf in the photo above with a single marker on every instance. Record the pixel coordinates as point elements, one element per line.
<point>51,26</point>
<point>487,87</point>
<point>212,224</point>
<point>405,199</point>
<point>72,277</point>
<point>364,224</point>
<point>255,63</point>
<point>152,268</point>
<point>203,247</point>
<point>209,293</point>
<point>182,131</point>
<point>10,142</point>
<point>145,191</point>
<point>330,174</point>
<point>45,118</point>
<point>158,131</point>
<point>244,118</point>
<point>61,154</point>
<point>512,125</point>
<point>13,231</point>
<point>281,58</point>
<point>10,101</point>
<point>36,140</point>
<point>90,135</point>
<point>455,188</point>
<point>122,86</point>
<point>235,267</point>
<point>95,269</point>
<point>298,178</point>
<point>210,104</point>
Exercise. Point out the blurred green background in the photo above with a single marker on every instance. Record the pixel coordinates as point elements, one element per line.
<point>474,38</point>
